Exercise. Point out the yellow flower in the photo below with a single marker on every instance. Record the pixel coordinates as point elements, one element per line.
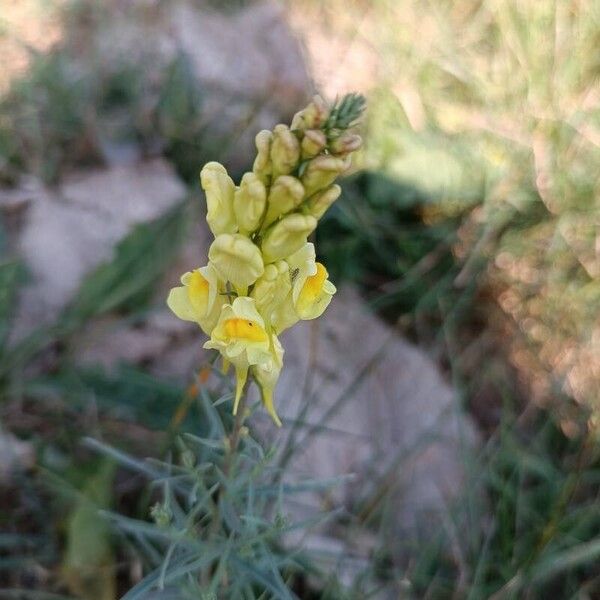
<point>236,260</point>
<point>266,376</point>
<point>198,299</point>
<point>249,203</point>
<point>315,295</point>
<point>240,336</point>
<point>271,289</point>
<point>287,236</point>
<point>219,189</point>
<point>301,265</point>
<point>311,290</point>
<point>262,276</point>
<point>284,315</point>
<point>285,195</point>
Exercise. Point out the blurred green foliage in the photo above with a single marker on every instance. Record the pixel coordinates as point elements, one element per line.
<point>542,536</point>
<point>89,567</point>
<point>480,190</point>
<point>124,284</point>
<point>376,236</point>
<point>219,521</point>
<point>491,110</point>
<point>73,107</point>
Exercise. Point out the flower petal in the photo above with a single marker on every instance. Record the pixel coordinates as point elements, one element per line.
<point>178,301</point>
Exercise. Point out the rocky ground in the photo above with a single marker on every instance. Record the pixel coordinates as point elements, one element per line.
<point>390,416</point>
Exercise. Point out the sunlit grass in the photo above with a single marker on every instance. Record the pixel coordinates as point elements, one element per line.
<point>481,198</point>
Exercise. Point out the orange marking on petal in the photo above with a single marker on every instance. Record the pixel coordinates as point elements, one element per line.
<point>197,289</point>
<point>314,284</point>
<point>243,329</point>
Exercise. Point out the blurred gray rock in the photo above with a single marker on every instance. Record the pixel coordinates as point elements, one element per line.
<point>167,346</point>
<point>15,455</point>
<point>251,53</point>
<point>68,231</point>
<point>248,65</point>
<point>373,405</point>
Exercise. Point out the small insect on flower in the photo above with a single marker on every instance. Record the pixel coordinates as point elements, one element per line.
<point>262,276</point>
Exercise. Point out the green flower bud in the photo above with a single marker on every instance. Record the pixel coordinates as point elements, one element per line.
<point>285,195</point>
<point>285,151</point>
<point>188,459</point>
<point>249,203</point>
<point>287,236</point>
<point>319,203</point>
<point>161,514</point>
<point>313,142</point>
<point>281,521</point>
<point>322,171</point>
<point>236,259</point>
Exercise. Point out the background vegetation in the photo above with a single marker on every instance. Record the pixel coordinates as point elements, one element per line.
<point>471,225</point>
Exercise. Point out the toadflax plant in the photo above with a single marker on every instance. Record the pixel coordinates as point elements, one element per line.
<point>220,528</point>
<point>262,276</point>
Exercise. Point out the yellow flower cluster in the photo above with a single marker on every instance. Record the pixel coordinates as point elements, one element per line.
<point>262,276</point>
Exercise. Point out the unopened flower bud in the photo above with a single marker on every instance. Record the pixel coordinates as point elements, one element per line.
<point>285,150</point>
<point>188,459</point>
<point>281,521</point>
<point>161,514</point>
<point>313,142</point>
<point>271,289</point>
<point>319,203</point>
<point>219,189</point>
<point>236,259</point>
<point>285,195</point>
<point>345,144</point>
<point>287,236</point>
<point>313,116</point>
<point>249,203</point>
<point>322,171</point>
<point>262,162</point>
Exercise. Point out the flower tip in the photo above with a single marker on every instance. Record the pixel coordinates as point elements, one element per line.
<point>267,398</point>
<point>241,374</point>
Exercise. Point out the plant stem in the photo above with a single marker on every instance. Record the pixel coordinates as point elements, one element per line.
<point>230,451</point>
<point>234,436</point>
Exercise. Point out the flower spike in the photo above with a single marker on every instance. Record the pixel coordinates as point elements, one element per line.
<point>262,276</point>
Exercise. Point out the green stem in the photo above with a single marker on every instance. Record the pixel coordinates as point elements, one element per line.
<point>234,436</point>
